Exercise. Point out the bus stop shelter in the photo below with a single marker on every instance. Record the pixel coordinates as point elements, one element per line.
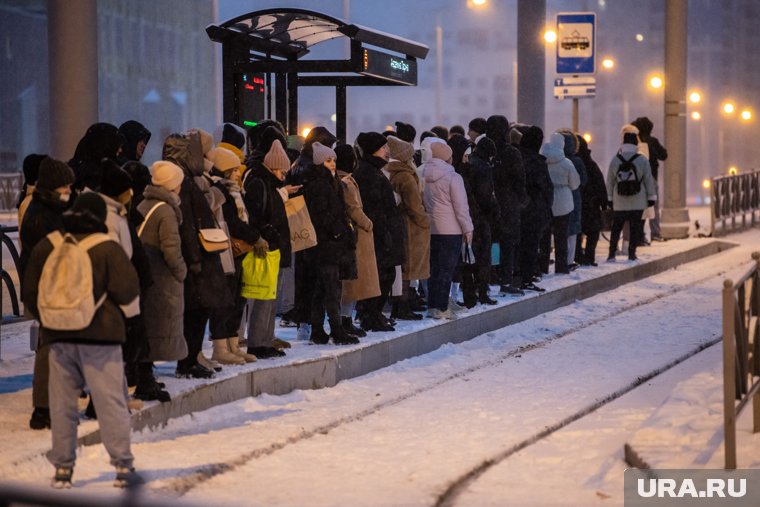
<point>264,50</point>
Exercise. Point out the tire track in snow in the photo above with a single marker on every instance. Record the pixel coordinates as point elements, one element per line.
<point>180,486</point>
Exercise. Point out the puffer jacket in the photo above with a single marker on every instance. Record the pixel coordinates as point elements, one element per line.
<point>563,174</point>
<point>643,173</point>
<point>445,199</point>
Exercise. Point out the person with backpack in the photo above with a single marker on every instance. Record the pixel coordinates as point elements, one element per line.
<point>74,284</point>
<point>630,189</point>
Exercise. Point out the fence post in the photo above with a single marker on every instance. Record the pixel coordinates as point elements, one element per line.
<point>755,312</point>
<point>729,386</point>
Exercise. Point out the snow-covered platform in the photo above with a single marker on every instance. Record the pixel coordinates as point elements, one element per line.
<point>313,367</point>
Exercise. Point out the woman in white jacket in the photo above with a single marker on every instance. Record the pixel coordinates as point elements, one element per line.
<point>565,179</point>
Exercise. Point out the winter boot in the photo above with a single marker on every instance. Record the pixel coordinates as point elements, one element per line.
<point>339,335</point>
<point>483,297</point>
<point>207,363</point>
<point>235,349</point>
<point>350,328</point>
<point>62,478</point>
<point>402,311</point>
<point>40,419</point>
<point>127,478</point>
<point>318,335</point>
<point>222,353</point>
<point>266,352</point>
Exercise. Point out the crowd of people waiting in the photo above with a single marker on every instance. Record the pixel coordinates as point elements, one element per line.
<point>395,226</point>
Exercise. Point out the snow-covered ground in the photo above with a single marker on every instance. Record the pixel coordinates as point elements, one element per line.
<point>533,414</point>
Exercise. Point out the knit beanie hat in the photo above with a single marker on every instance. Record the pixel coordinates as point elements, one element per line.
<point>405,132</point>
<point>223,159</point>
<point>115,180</point>
<point>54,174</point>
<point>91,203</point>
<point>346,158</point>
<point>400,150</point>
<point>234,135</point>
<point>441,151</point>
<point>321,153</point>
<point>276,158</point>
<point>268,136</point>
<point>32,167</point>
<point>166,174</point>
<point>370,142</point>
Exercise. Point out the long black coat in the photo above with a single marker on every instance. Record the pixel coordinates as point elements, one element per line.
<point>266,211</point>
<point>594,196</point>
<point>380,206</point>
<point>485,208</point>
<point>323,193</point>
<point>540,189</point>
<point>509,184</point>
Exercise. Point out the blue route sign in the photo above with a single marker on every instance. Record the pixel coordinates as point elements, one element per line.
<point>576,43</point>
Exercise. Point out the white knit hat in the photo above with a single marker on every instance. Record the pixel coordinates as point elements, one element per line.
<point>166,174</point>
<point>223,159</point>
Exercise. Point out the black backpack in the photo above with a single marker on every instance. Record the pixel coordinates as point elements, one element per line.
<point>627,181</point>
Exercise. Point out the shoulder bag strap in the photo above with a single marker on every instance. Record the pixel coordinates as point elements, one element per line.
<point>145,221</point>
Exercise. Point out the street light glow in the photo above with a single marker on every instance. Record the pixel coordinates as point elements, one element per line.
<point>305,131</point>
<point>695,97</point>
<point>550,36</point>
<point>333,117</point>
<point>706,184</point>
<point>696,116</point>
<point>733,170</point>
<point>655,82</point>
<point>587,137</point>
<point>639,37</point>
<point>729,108</point>
<point>746,115</point>
<point>478,3</point>
<point>608,63</point>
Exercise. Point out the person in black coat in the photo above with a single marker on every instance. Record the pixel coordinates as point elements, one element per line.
<point>380,207</point>
<point>537,214</point>
<point>594,200</point>
<point>509,184</point>
<point>316,135</point>
<point>102,140</point>
<point>323,192</point>
<point>484,210</point>
<point>44,215</point>
<point>205,286</point>
<point>657,153</point>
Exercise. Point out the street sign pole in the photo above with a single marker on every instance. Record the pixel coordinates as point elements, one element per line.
<point>575,115</point>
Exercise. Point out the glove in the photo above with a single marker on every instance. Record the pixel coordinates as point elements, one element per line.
<point>650,203</point>
<point>261,247</point>
<point>195,267</point>
<point>609,204</point>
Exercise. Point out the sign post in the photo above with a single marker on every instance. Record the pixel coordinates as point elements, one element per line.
<point>576,56</point>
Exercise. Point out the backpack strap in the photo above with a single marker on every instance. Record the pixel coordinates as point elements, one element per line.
<point>145,220</point>
<point>55,238</point>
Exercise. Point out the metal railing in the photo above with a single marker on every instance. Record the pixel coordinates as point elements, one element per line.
<point>735,202</point>
<point>10,186</point>
<point>741,354</point>
<point>6,279</point>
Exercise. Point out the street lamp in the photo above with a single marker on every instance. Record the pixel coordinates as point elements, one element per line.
<point>746,115</point>
<point>706,184</point>
<point>639,37</point>
<point>733,170</point>
<point>696,116</point>
<point>729,107</point>
<point>550,36</point>
<point>587,137</point>
<point>305,131</point>
<point>695,97</point>
<point>655,82</point>
<point>608,63</point>
<point>476,4</point>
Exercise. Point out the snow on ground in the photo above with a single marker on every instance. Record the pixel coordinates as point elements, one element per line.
<point>399,436</point>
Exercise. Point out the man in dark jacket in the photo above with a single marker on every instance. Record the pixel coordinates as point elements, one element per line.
<point>43,216</point>
<point>537,215</point>
<point>90,356</point>
<point>388,227</point>
<point>136,138</point>
<point>657,153</point>
<point>509,184</point>
<point>593,201</point>
<point>484,210</point>
<point>102,140</point>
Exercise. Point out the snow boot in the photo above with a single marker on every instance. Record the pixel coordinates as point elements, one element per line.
<point>62,478</point>
<point>266,352</point>
<point>339,335</point>
<point>318,335</point>
<point>40,419</point>
<point>235,349</point>
<point>207,363</point>
<point>222,353</point>
<point>350,328</point>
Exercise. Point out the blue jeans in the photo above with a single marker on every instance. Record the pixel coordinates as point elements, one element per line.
<point>445,250</point>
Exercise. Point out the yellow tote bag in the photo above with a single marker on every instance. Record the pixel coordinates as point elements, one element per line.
<point>260,276</point>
